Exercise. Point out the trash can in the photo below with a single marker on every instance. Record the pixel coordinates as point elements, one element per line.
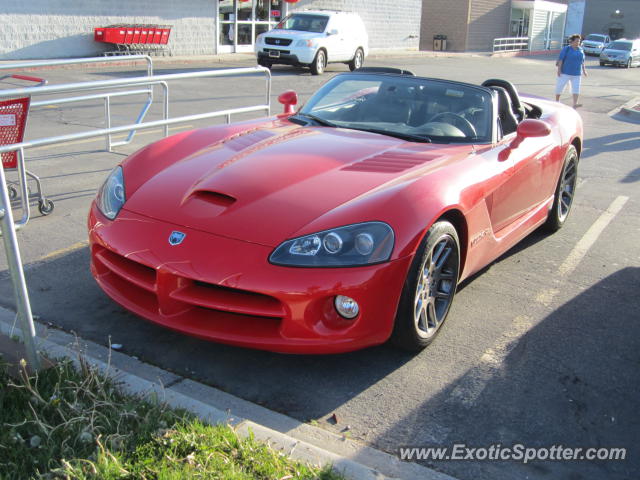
<point>439,42</point>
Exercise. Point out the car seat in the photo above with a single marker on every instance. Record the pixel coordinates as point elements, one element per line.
<point>508,120</point>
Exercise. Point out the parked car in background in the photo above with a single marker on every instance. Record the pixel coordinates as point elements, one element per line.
<point>594,43</point>
<point>313,39</point>
<point>622,53</point>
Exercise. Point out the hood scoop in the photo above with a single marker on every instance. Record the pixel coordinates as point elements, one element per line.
<point>214,198</point>
<point>247,139</point>
<point>210,203</point>
<point>390,162</point>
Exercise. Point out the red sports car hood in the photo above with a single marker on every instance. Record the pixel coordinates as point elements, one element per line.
<point>266,184</point>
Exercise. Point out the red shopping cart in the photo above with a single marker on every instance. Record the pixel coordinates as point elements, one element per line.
<point>13,121</point>
<point>133,38</point>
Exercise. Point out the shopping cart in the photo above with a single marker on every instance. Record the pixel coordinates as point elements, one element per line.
<point>133,38</point>
<point>13,120</point>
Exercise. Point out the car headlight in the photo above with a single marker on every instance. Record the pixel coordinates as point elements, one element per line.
<point>306,43</point>
<point>111,196</point>
<point>348,246</point>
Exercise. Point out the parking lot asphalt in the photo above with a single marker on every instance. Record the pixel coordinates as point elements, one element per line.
<point>540,349</point>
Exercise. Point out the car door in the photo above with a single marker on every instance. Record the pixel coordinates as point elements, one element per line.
<point>338,40</point>
<point>530,178</point>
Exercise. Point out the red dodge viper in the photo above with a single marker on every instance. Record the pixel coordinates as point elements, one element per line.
<point>341,225</point>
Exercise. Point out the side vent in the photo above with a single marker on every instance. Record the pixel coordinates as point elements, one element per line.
<point>390,162</point>
<point>247,139</point>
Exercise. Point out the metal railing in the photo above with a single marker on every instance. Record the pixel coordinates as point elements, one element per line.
<point>7,225</point>
<point>125,82</point>
<point>510,44</point>
<point>105,97</point>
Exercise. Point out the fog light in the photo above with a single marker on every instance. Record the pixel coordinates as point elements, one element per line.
<point>346,307</point>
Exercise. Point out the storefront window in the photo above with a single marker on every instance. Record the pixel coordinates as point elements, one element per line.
<point>240,22</point>
<point>519,22</point>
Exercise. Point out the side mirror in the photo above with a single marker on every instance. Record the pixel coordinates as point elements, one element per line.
<point>528,128</point>
<point>533,128</point>
<point>332,32</point>
<point>288,99</point>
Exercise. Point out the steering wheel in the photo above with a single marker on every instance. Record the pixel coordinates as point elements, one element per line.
<point>458,120</point>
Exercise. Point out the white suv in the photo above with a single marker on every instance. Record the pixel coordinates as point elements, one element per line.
<point>313,38</point>
<point>594,43</point>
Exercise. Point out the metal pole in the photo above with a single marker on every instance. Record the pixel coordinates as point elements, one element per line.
<point>21,294</point>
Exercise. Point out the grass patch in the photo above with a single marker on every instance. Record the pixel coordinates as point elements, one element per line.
<point>73,423</point>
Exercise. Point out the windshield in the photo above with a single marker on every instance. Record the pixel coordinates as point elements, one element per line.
<point>304,23</point>
<point>412,108</point>
<point>619,46</point>
<point>595,38</point>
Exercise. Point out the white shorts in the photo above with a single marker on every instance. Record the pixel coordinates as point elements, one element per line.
<point>562,81</point>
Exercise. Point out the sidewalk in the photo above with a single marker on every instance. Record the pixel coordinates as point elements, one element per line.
<point>300,441</point>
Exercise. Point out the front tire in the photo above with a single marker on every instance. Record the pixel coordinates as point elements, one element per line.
<point>319,63</point>
<point>358,60</point>
<point>428,289</point>
<point>565,192</point>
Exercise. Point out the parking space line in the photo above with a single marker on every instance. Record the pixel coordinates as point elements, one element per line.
<point>62,251</point>
<point>491,362</point>
<point>589,238</point>
<point>567,267</point>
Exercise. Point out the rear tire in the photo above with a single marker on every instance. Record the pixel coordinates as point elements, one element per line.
<point>602,64</point>
<point>357,61</point>
<point>428,289</point>
<point>319,63</point>
<point>565,192</point>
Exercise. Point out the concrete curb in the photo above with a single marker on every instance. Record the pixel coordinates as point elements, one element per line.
<point>630,109</point>
<point>298,440</point>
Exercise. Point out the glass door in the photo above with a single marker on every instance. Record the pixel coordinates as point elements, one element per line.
<point>241,21</point>
<point>226,26</point>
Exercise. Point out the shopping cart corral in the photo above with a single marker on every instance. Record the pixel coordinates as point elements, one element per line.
<point>13,121</point>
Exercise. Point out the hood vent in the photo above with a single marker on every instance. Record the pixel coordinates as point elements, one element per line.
<point>214,198</point>
<point>247,139</point>
<point>390,162</point>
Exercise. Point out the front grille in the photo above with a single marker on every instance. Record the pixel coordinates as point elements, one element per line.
<point>278,41</point>
<point>161,291</point>
<point>282,52</point>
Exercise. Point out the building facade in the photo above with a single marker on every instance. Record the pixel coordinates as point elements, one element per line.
<point>64,28</point>
<point>616,18</point>
<point>472,25</point>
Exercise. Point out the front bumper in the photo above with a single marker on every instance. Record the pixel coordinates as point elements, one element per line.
<point>286,55</point>
<point>614,61</point>
<point>592,50</point>
<point>225,290</point>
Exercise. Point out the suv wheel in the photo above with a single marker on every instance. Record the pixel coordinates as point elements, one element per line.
<point>357,61</point>
<point>317,67</point>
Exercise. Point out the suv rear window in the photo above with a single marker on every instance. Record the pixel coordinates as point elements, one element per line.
<point>304,23</point>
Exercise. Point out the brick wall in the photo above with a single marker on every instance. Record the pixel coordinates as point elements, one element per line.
<point>488,19</point>
<point>394,25</point>
<point>33,29</point>
<point>445,17</point>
